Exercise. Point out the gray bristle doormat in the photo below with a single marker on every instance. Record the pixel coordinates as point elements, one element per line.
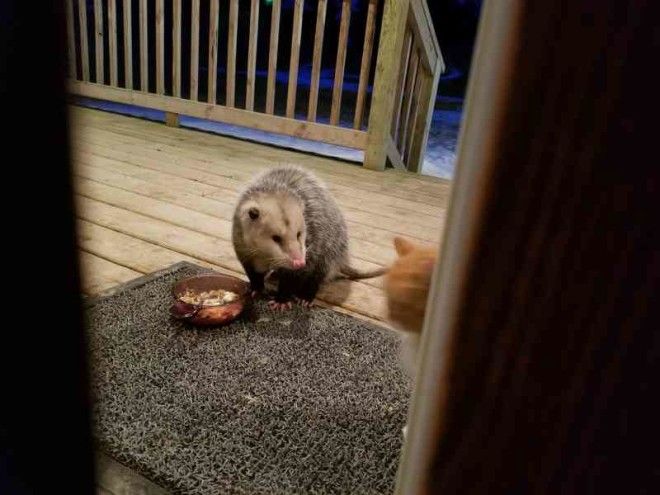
<point>309,401</point>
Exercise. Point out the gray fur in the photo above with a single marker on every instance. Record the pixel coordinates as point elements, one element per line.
<point>327,236</point>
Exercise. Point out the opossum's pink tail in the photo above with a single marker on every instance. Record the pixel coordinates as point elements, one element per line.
<point>350,273</point>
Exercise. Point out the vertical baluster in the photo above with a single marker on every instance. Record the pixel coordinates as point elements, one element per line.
<point>316,62</point>
<point>403,73</point>
<point>366,63</point>
<point>252,55</point>
<point>231,53</point>
<point>112,41</point>
<point>424,117</point>
<point>160,47</point>
<point>71,40</point>
<point>194,50</point>
<point>295,58</point>
<point>144,46</point>
<point>176,48</point>
<point>272,56</point>
<point>412,117</point>
<point>98,41</point>
<point>128,45</point>
<point>213,51</point>
<point>408,98</point>
<point>341,62</point>
<point>84,39</point>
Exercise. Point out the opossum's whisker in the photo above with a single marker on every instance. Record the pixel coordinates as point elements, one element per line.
<point>251,253</point>
<point>276,263</point>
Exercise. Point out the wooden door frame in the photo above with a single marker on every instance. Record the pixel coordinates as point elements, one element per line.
<point>560,94</point>
<point>486,99</point>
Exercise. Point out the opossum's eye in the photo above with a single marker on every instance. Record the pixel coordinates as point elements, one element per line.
<point>254,213</point>
<point>277,239</point>
<point>298,235</point>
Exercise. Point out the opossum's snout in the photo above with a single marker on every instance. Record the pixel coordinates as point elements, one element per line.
<point>298,263</point>
<point>287,250</point>
<point>295,253</point>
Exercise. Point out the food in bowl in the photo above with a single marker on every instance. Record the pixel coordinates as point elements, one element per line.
<point>216,297</point>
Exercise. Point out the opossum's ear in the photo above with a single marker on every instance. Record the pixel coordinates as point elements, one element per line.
<point>403,246</point>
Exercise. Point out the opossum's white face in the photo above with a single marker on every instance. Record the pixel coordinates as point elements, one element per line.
<point>274,231</point>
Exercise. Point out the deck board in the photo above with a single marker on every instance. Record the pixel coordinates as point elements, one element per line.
<point>150,195</point>
<point>100,274</point>
<point>246,157</point>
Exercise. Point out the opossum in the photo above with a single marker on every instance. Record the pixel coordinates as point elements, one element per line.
<point>287,223</point>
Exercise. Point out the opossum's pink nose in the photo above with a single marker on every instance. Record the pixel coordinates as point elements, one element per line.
<point>298,263</point>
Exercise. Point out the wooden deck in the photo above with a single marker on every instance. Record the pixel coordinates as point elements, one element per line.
<point>149,195</point>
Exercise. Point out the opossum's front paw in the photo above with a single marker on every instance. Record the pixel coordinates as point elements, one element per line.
<point>304,302</point>
<point>279,306</point>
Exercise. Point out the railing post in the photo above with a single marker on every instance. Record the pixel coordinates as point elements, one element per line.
<point>393,28</point>
<point>172,119</point>
<point>422,124</point>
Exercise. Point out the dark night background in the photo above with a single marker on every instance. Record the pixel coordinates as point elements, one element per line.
<point>455,24</point>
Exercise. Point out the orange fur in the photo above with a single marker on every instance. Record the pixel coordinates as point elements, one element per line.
<point>407,284</point>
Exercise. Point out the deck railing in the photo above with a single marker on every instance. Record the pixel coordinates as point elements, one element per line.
<point>391,124</point>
